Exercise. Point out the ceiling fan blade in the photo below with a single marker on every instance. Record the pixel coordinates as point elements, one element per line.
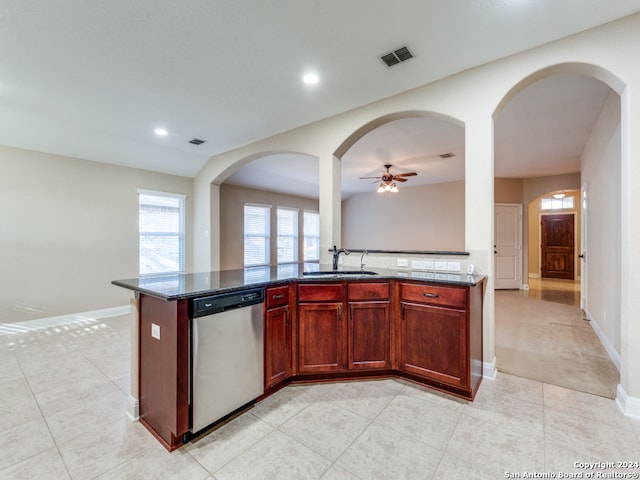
<point>410,174</point>
<point>399,179</point>
<point>365,178</point>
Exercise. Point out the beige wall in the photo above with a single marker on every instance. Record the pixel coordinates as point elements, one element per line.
<point>602,177</point>
<point>232,201</point>
<point>426,217</point>
<point>70,227</point>
<point>508,190</point>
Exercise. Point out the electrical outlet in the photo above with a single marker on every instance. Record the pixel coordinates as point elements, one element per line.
<point>155,331</point>
<point>403,262</point>
<point>418,264</point>
<point>453,266</point>
<point>441,266</point>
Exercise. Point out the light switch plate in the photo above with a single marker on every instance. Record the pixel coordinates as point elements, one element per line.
<point>441,266</point>
<point>155,331</point>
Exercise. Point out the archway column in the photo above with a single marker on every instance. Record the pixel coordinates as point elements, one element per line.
<point>628,395</point>
<point>330,176</point>
<point>479,219</point>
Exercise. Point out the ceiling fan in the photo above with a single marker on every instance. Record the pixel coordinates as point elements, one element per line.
<point>388,180</point>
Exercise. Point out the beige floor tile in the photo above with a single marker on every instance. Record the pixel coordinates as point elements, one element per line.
<point>15,413</point>
<point>381,453</point>
<point>590,437</point>
<point>325,427</point>
<point>284,404</point>
<point>496,447</point>
<point>47,465</point>
<point>23,442</point>
<point>365,397</point>
<point>98,451</point>
<point>421,420</point>
<point>338,473</point>
<point>605,410</point>
<point>433,396</point>
<point>452,468</point>
<point>276,456</point>
<point>222,445</point>
<point>515,387</point>
<point>156,462</point>
<point>77,394</point>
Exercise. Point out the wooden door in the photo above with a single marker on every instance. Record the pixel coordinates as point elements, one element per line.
<point>278,366</point>
<point>433,343</point>
<point>369,333</point>
<point>321,340</point>
<point>557,246</point>
<point>508,246</point>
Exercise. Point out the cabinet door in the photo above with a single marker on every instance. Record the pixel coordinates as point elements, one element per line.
<point>321,338</point>
<point>434,343</point>
<point>277,348</point>
<point>369,335</point>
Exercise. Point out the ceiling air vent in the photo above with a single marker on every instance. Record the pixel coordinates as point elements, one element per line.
<point>447,155</point>
<point>393,58</point>
<point>197,141</point>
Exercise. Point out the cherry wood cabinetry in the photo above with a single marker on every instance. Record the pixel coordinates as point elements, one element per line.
<point>278,337</point>
<point>440,338</point>
<point>369,327</point>
<point>321,328</point>
<point>164,368</point>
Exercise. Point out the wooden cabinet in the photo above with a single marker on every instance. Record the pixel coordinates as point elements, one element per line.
<point>440,340</point>
<point>369,327</point>
<point>278,337</point>
<point>321,328</point>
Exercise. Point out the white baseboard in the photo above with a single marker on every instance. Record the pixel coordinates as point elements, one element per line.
<point>133,408</point>
<point>628,405</point>
<point>611,351</point>
<point>29,325</point>
<point>489,369</point>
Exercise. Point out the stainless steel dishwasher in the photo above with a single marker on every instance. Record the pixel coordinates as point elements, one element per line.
<point>227,345</point>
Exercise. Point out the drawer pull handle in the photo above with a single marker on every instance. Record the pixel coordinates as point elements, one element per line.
<point>431,295</point>
<point>278,297</point>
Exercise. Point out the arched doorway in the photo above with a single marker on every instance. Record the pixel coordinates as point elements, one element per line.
<point>548,133</point>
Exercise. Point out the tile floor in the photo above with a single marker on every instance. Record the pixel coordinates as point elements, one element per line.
<point>63,394</point>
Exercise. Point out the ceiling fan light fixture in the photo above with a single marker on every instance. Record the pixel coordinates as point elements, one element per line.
<point>380,188</point>
<point>394,188</point>
<point>558,195</point>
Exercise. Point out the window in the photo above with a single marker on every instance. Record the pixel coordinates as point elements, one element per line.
<point>553,203</point>
<point>311,236</point>
<point>287,242</point>
<point>161,232</point>
<point>257,219</point>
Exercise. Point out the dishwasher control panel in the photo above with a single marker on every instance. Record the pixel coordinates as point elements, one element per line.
<point>226,301</point>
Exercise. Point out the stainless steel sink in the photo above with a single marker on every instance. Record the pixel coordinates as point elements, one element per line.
<point>339,273</point>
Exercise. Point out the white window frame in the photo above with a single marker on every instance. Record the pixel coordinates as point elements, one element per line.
<point>281,236</point>
<point>181,262</point>
<point>305,235</point>
<point>266,235</point>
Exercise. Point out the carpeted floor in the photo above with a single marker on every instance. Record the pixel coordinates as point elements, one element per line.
<point>551,342</point>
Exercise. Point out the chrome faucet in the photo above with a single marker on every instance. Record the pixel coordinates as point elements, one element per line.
<point>336,255</point>
<point>362,264</point>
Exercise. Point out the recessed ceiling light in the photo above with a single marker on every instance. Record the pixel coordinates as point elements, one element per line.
<point>311,79</point>
<point>161,132</point>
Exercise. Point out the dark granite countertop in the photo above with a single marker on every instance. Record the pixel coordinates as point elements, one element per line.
<point>191,285</point>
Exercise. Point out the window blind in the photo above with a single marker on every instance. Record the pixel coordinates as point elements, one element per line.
<point>287,241</point>
<point>311,231</point>
<point>256,235</point>
<point>161,233</point>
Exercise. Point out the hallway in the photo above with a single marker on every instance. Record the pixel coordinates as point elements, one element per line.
<point>542,334</point>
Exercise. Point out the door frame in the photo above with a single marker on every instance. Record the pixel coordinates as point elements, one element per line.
<point>583,246</point>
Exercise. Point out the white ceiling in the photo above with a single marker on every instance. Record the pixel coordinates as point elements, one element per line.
<point>92,79</point>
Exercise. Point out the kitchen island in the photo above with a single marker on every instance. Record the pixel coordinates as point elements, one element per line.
<point>319,325</point>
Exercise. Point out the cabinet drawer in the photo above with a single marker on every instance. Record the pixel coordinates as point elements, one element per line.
<point>368,291</point>
<point>308,292</point>
<point>277,296</point>
<point>434,294</point>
